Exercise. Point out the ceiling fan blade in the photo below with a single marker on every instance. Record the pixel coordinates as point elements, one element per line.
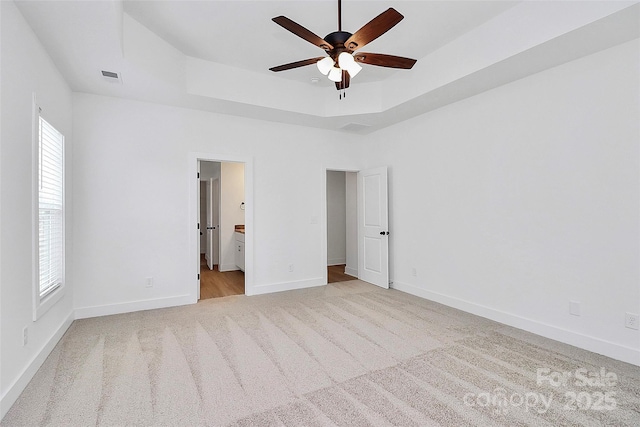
<point>383,60</point>
<point>374,29</point>
<point>297,64</point>
<point>302,32</point>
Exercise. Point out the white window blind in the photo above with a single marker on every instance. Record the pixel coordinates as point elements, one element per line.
<point>50,208</point>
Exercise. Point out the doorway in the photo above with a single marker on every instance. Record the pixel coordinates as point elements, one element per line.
<point>222,209</point>
<point>221,222</point>
<point>366,204</point>
<point>342,244</point>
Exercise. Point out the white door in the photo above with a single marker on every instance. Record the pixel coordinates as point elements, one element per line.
<point>210,225</point>
<point>215,209</point>
<point>373,227</point>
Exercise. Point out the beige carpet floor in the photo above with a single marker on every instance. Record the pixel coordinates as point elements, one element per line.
<point>345,354</point>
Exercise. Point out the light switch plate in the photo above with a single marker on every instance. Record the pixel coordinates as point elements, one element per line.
<point>574,308</point>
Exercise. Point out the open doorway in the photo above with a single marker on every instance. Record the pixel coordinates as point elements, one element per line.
<point>367,209</point>
<point>342,231</point>
<point>221,228</point>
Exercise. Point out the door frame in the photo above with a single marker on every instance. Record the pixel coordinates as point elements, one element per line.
<point>193,283</point>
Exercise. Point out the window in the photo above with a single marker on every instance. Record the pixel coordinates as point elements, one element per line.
<point>50,212</point>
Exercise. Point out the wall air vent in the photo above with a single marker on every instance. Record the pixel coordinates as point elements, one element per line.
<point>111,76</point>
<point>355,127</point>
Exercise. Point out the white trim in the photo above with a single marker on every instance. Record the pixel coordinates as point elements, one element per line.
<point>35,235</point>
<point>351,271</point>
<point>41,306</point>
<point>227,267</point>
<point>336,261</point>
<point>288,286</point>
<point>193,285</point>
<point>18,386</point>
<point>586,342</point>
<point>129,307</point>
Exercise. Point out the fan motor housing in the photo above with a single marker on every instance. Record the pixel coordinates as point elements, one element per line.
<point>337,38</point>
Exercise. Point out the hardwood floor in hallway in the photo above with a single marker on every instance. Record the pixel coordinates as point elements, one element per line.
<point>336,274</point>
<point>216,284</point>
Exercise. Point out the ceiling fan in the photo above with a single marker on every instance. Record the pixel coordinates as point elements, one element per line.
<point>343,62</point>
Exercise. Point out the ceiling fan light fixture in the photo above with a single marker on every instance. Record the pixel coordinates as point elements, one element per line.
<point>354,69</point>
<point>345,59</point>
<point>348,63</point>
<point>325,65</point>
<point>335,75</point>
<point>342,64</point>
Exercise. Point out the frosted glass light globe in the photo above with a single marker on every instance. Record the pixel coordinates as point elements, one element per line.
<point>325,65</point>
<point>335,75</point>
<point>346,62</point>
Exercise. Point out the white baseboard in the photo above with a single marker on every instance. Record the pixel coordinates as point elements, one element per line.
<point>14,391</point>
<point>285,286</point>
<point>336,261</point>
<point>586,342</point>
<point>128,307</point>
<point>228,267</point>
<point>351,271</point>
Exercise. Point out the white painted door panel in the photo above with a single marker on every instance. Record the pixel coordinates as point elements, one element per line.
<point>373,227</point>
<point>215,206</point>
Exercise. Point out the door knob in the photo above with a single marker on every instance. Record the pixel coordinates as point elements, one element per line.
<point>382,233</point>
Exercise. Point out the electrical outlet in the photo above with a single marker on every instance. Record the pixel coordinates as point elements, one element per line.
<point>574,308</point>
<point>414,273</point>
<point>290,268</point>
<point>148,282</point>
<point>631,320</point>
<point>25,336</point>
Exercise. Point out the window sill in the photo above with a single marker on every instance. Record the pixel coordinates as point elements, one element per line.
<point>42,306</point>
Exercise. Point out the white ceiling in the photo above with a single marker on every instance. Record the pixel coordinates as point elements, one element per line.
<point>215,55</point>
<point>241,33</point>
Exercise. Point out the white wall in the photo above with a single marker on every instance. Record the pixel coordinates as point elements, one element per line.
<point>336,218</point>
<point>138,234</point>
<point>26,68</point>
<point>351,226</point>
<point>516,201</point>
<point>231,196</point>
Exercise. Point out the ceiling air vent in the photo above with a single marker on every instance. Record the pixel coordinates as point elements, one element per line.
<point>355,127</point>
<point>111,76</point>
